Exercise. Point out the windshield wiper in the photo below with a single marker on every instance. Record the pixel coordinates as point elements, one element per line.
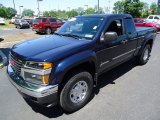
<point>73,36</point>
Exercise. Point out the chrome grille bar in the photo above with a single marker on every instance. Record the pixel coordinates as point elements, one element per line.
<point>16,63</point>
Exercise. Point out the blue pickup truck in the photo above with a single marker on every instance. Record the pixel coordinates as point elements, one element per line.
<point>63,68</point>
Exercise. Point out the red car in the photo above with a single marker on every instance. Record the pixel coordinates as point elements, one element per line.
<point>46,25</point>
<point>145,23</point>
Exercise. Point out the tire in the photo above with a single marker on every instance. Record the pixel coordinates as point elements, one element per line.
<point>143,58</point>
<point>71,99</point>
<point>48,31</point>
<point>18,26</point>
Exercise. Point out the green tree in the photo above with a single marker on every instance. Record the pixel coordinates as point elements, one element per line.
<point>10,12</point>
<point>28,12</point>
<point>118,7</point>
<point>7,12</point>
<point>72,13</point>
<point>52,14</point>
<point>46,14</point>
<point>153,8</point>
<point>90,11</point>
<point>3,13</point>
<point>134,8</point>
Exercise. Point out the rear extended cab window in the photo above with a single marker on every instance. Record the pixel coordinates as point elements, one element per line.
<point>130,29</point>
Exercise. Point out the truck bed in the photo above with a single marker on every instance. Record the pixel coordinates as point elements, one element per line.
<point>144,30</point>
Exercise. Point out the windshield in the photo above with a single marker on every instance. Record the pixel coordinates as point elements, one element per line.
<point>37,20</point>
<point>22,20</point>
<point>82,27</point>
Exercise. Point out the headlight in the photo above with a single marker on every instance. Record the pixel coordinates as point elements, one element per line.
<point>37,65</point>
<point>20,23</point>
<point>37,72</point>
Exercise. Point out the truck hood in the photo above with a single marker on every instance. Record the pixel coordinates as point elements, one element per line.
<point>47,48</point>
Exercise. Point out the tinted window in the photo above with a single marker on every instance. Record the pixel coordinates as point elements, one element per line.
<point>37,20</point>
<point>52,20</point>
<point>156,17</point>
<point>130,27</point>
<point>135,21</point>
<point>150,17</point>
<point>140,21</point>
<point>116,26</point>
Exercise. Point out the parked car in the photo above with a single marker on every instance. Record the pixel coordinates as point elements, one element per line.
<point>30,21</point>
<point>145,23</point>
<point>20,23</point>
<point>64,19</point>
<point>154,18</point>
<point>46,25</point>
<point>13,20</point>
<point>64,67</point>
<point>2,21</point>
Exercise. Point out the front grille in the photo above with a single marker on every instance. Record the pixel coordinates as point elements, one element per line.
<point>16,64</point>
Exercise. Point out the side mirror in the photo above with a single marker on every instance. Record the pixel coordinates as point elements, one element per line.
<point>144,22</point>
<point>109,36</point>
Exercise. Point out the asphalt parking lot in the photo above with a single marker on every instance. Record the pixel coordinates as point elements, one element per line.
<point>14,31</point>
<point>128,92</point>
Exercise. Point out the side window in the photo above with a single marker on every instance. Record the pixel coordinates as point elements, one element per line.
<point>150,17</point>
<point>52,20</point>
<point>59,21</point>
<point>156,17</point>
<point>130,26</point>
<point>43,19</point>
<point>140,21</point>
<point>116,26</point>
<point>135,20</point>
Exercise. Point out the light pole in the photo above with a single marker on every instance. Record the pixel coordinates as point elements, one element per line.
<point>14,4</point>
<point>38,6</point>
<point>20,10</point>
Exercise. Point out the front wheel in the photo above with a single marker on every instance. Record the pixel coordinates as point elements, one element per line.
<point>144,56</point>
<point>76,92</point>
<point>18,26</point>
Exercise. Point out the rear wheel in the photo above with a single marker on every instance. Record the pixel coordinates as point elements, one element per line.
<point>144,56</point>
<point>76,92</point>
<point>48,31</point>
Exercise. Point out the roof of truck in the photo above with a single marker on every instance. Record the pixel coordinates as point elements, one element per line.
<point>107,15</point>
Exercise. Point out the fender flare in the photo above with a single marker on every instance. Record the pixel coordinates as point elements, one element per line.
<point>70,62</point>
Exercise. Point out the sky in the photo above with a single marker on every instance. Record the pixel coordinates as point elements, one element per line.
<point>47,5</point>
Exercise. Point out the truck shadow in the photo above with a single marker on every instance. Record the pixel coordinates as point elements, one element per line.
<point>104,79</point>
<point>1,39</point>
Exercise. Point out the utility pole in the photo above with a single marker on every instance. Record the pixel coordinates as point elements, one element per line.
<point>98,7</point>
<point>38,6</point>
<point>14,4</point>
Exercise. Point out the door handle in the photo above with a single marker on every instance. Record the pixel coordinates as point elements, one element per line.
<point>124,41</point>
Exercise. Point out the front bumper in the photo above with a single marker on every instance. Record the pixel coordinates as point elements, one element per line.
<point>44,95</point>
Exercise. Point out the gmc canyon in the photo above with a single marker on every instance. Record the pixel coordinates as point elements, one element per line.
<point>63,68</point>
